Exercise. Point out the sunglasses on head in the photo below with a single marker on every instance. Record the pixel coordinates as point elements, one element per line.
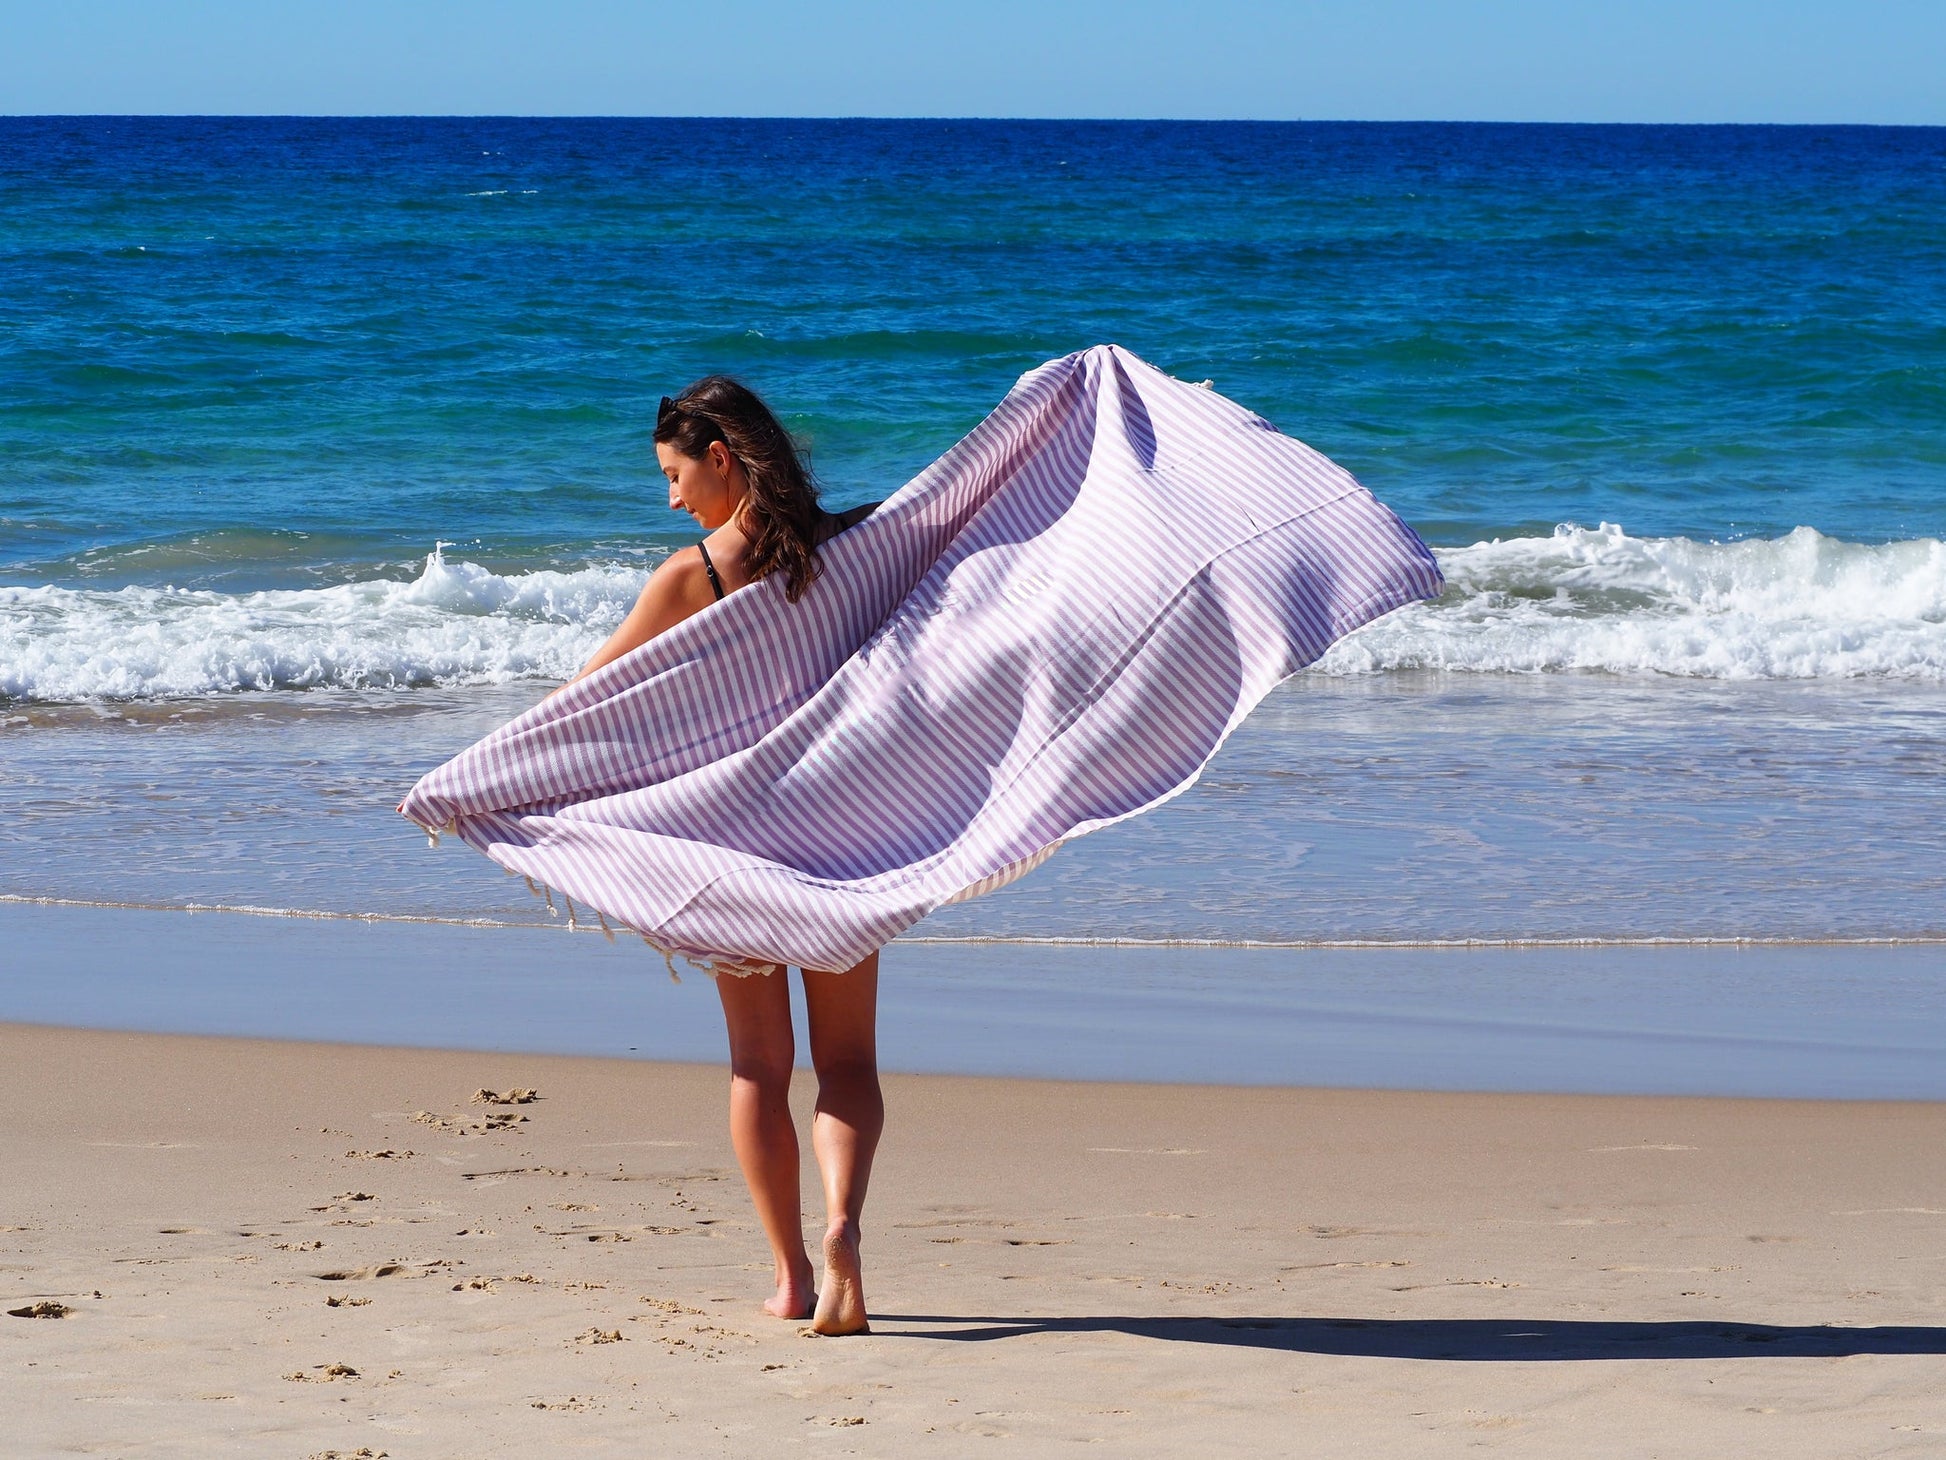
<point>671,407</point>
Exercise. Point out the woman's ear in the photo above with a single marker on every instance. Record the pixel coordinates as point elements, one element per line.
<point>720,459</point>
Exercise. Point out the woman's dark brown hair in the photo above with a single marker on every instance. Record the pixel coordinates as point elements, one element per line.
<point>781,513</point>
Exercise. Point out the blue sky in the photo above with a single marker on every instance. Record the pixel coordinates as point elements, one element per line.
<point>1515,60</point>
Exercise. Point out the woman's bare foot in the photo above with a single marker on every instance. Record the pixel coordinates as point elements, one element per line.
<point>794,1297</point>
<point>841,1305</point>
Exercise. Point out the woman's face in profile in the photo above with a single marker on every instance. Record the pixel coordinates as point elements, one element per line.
<point>709,488</point>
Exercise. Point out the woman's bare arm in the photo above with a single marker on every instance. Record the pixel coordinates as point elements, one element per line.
<point>675,590</point>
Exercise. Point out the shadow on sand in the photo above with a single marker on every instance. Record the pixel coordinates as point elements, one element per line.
<point>1474,1340</point>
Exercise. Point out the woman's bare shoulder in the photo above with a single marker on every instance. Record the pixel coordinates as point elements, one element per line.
<point>680,581</point>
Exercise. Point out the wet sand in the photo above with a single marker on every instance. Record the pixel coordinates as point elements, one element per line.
<point>267,1249</point>
<point>1862,1021</point>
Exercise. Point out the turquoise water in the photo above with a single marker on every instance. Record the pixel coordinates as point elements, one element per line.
<point>380,332</point>
<point>1669,402</point>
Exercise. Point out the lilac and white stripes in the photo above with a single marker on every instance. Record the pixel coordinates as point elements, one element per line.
<point>1051,628</point>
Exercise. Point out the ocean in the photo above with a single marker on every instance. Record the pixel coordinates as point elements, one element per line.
<point>324,448</point>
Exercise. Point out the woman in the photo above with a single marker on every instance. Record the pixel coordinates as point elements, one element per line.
<point>734,469</point>
<point>1050,629</point>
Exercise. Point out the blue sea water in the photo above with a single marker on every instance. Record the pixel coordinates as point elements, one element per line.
<point>375,332</point>
<point>324,446</point>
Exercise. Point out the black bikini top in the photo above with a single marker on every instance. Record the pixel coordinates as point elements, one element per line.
<point>710,568</point>
<point>839,522</point>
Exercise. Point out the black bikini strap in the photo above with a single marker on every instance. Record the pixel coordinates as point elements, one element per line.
<point>710,568</point>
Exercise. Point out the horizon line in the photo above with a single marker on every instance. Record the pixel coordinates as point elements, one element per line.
<point>487,116</point>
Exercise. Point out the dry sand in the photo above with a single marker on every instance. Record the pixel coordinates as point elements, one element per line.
<point>294,1250</point>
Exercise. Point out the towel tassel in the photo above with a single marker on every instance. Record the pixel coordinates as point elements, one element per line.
<point>606,931</point>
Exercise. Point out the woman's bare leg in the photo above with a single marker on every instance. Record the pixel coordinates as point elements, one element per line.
<point>843,1009</point>
<point>757,1009</point>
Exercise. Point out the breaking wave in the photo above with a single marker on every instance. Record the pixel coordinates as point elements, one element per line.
<point>455,624</point>
<point>1803,606</point>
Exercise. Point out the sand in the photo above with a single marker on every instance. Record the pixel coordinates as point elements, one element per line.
<point>284,1249</point>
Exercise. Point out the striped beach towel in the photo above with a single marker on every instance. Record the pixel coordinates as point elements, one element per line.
<point>1051,628</point>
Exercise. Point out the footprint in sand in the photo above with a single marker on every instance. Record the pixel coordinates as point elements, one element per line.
<point>518,1095</point>
<point>46,1308</point>
<point>498,1120</point>
<point>360,1274</point>
<point>492,1284</point>
<point>322,1374</point>
<point>670,1305</point>
<point>346,1200</point>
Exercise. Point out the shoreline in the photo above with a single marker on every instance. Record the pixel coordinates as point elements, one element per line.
<point>302,1246</point>
<point>1859,1021</point>
<point>1023,940</point>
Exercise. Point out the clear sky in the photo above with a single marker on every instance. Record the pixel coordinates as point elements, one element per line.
<point>1514,60</point>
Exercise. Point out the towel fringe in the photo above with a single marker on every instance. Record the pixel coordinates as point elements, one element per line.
<point>572,924</point>
<point>606,931</point>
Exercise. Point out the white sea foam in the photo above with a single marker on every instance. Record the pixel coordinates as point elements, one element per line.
<point>455,624</point>
<point>1804,606</point>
